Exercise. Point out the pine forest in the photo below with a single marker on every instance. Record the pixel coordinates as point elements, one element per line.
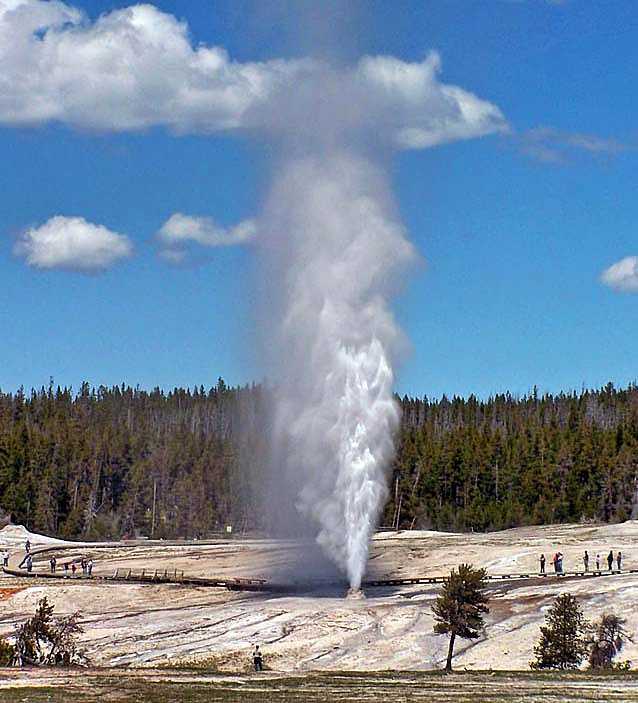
<point>110,462</point>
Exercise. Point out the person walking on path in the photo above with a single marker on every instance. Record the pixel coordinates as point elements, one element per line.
<point>258,660</point>
<point>29,564</point>
<point>610,560</point>
<point>27,546</point>
<point>597,562</point>
<point>586,560</point>
<point>90,566</point>
<point>542,563</point>
<point>619,560</point>
<point>52,563</point>
<point>5,558</point>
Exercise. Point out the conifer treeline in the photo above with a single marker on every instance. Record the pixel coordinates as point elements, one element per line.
<point>110,461</point>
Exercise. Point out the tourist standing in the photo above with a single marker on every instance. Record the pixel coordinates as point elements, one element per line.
<point>5,558</point>
<point>586,560</point>
<point>258,660</point>
<point>90,566</point>
<point>542,563</point>
<point>597,562</point>
<point>29,564</point>
<point>52,563</point>
<point>27,546</point>
<point>619,560</point>
<point>610,560</point>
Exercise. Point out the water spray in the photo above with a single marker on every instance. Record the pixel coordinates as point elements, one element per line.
<point>335,250</point>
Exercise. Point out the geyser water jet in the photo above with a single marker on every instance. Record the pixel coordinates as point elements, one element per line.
<point>334,249</point>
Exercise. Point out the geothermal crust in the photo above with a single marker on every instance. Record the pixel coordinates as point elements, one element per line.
<point>148,624</point>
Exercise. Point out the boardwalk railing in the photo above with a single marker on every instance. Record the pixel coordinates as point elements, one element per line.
<point>250,584</point>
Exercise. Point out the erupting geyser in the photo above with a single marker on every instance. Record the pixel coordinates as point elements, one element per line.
<point>333,249</point>
<point>336,250</point>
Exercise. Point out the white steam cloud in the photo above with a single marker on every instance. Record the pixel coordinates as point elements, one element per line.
<point>329,237</point>
<point>334,252</point>
<point>135,68</point>
<point>72,244</point>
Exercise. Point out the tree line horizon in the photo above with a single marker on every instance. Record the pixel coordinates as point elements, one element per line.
<point>106,462</point>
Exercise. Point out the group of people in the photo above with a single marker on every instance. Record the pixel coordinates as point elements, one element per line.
<point>85,564</point>
<point>557,561</point>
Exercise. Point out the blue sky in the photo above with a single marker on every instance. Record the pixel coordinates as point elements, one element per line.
<point>515,228</point>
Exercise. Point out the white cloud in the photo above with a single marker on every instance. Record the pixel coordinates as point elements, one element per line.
<point>552,145</point>
<point>135,68</point>
<point>623,275</point>
<point>72,244</point>
<point>180,232</point>
<point>132,68</point>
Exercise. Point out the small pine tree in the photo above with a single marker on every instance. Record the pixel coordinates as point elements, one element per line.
<point>563,643</point>
<point>7,651</point>
<point>41,640</point>
<point>460,606</point>
<point>608,641</point>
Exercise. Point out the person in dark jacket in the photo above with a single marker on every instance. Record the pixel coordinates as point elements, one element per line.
<point>542,563</point>
<point>610,560</point>
<point>258,660</point>
<point>619,560</point>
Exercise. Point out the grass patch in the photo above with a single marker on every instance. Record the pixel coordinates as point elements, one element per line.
<point>188,686</point>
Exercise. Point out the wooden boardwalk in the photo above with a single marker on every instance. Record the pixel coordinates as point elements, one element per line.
<point>176,576</point>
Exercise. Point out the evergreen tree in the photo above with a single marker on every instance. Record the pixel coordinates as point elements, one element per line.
<point>42,640</point>
<point>608,641</point>
<point>7,652</point>
<point>563,643</point>
<point>460,607</point>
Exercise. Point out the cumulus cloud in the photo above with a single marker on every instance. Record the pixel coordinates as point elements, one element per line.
<point>180,233</point>
<point>135,68</point>
<point>552,145</point>
<point>72,244</point>
<point>623,275</point>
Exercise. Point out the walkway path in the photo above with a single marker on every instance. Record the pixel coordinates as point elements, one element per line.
<point>247,584</point>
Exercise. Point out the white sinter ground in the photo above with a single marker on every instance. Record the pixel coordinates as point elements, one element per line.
<point>390,629</point>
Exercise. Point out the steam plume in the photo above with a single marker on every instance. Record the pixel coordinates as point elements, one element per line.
<point>334,251</point>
